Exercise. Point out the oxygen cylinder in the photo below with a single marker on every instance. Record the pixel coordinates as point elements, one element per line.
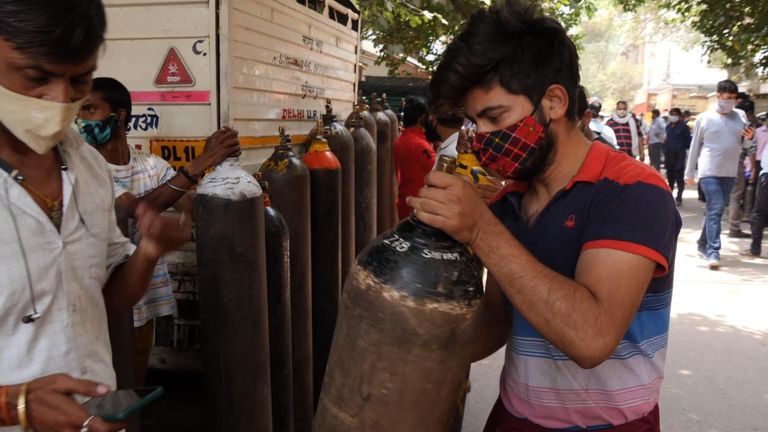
<point>232,277</point>
<point>467,164</point>
<point>402,345</point>
<point>279,302</point>
<point>394,121</point>
<point>365,182</point>
<point>368,121</point>
<point>343,147</point>
<point>288,179</point>
<point>394,127</point>
<point>385,169</point>
<point>325,192</point>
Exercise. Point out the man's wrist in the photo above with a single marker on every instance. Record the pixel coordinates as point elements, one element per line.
<point>144,253</point>
<point>195,169</point>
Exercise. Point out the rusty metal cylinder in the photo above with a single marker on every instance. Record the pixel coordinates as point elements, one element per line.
<point>288,180</point>
<point>406,324</point>
<point>325,192</point>
<point>365,183</point>
<point>343,147</point>
<point>394,127</point>
<point>385,169</point>
<point>232,277</point>
<point>278,259</point>
<point>369,123</point>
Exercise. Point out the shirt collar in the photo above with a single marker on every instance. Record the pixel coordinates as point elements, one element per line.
<point>593,166</point>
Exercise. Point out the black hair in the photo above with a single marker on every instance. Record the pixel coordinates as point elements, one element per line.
<point>595,106</point>
<point>655,113</point>
<point>747,105</point>
<point>114,94</point>
<point>58,31</point>
<point>452,120</point>
<point>727,86</point>
<point>742,96</point>
<point>415,107</point>
<point>687,113</point>
<point>581,101</point>
<point>511,44</point>
<point>622,102</point>
<point>677,110</point>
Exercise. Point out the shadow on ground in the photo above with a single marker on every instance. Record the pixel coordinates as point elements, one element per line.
<point>728,391</point>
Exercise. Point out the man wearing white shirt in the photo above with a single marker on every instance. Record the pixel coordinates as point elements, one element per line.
<point>63,260</point>
<point>715,149</point>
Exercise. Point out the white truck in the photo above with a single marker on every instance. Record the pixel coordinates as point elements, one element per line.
<point>193,66</point>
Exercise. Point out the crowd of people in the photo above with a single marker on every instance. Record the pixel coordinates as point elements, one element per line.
<point>585,342</point>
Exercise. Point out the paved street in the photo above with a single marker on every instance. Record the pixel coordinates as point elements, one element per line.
<point>718,351</point>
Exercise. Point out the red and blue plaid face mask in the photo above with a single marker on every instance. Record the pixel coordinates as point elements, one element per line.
<point>506,151</point>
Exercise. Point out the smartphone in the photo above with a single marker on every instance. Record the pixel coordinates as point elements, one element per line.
<point>118,405</point>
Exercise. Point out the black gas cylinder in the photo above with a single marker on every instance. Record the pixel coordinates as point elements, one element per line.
<point>278,258</point>
<point>343,147</point>
<point>402,345</point>
<point>365,182</point>
<point>385,169</point>
<point>325,192</point>
<point>288,179</point>
<point>232,277</point>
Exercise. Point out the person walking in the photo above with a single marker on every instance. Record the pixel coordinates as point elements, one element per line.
<point>629,135</point>
<point>656,137</point>
<point>715,147</point>
<point>760,208</point>
<point>678,141</point>
<point>746,108</point>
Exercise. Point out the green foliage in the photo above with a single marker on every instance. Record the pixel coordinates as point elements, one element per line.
<point>422,28</point>
<point>611,44</point>
<point>738,29</point>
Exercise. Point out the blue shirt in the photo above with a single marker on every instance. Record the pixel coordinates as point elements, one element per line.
<point>613,202</point>
<point>678,137</point>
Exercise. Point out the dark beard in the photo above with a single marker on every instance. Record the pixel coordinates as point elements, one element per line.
<point>540,160</point>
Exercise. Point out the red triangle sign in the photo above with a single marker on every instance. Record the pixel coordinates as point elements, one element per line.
<point>174,72</point>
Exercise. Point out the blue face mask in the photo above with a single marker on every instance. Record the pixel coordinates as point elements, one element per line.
<point>98,132</point>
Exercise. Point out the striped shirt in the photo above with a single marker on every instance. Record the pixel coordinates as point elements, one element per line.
<point>608,204</point>
<point>623,132</point>
<point>141,175</point>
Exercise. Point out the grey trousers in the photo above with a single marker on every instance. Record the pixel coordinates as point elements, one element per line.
<point>737,195</point>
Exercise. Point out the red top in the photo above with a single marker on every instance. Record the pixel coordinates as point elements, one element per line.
<point>414,159</point>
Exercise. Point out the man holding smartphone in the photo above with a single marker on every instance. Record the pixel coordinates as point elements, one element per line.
<point>63,260</point>
<point>715,148</point>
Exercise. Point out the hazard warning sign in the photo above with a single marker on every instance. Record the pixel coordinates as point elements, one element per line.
<point>174,72</point>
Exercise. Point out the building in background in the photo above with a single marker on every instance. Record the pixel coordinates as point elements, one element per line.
<point>674,76</point>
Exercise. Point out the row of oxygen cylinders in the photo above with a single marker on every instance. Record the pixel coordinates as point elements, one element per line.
<point>281,291</point>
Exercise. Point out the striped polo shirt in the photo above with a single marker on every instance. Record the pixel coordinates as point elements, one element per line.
<point>140,176</point>
<point>613,202</point>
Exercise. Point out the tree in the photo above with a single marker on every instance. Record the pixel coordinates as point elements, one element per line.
<point>611,45</point>
<point>736,29</point>
<point>422,28</point>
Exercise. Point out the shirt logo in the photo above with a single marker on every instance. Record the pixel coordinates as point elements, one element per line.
<point>570,223</point>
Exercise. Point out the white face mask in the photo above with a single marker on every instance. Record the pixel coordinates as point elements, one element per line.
<point>621,113</point>
<point>724,106</point>
<point>38,123</point>
<point>674,119</point>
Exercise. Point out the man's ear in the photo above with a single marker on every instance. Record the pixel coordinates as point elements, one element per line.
<point>555,102</point>
<point>122,115</point>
